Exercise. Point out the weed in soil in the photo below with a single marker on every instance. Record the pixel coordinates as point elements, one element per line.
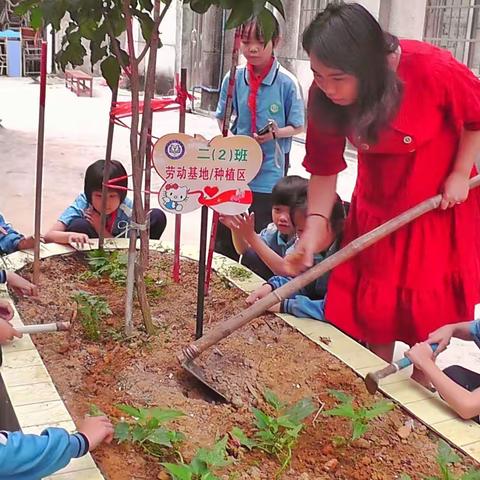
<point>110,264</point>
<point>446,457</point>
<point>359,417</point>
<point>146,429</point>
<point>91,310</point>
<point>277,434</point>
<point>203,465</point>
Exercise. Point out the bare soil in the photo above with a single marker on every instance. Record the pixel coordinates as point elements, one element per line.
<point>267,353</point>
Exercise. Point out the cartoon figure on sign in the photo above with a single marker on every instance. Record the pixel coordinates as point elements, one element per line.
<point>174,197</point>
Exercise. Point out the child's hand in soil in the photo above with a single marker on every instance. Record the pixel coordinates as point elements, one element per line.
<point>94,218</point>
<point>97,430</point>
<point>78,240</point>
<point>21,285</point>
<point>259,293</point>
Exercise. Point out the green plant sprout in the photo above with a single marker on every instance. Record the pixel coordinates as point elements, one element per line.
<point>203,465</point>
<point>91,310</point>
<point>359,417</point>
<point>95,411</point>
<point>146,429</point>
<point>446,457</point>
<point>277,434</point>
<point>111,264</point>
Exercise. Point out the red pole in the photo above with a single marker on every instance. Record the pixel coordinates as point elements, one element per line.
<point>178,218</point>
<point>39,172</point>
<point>225,128</point>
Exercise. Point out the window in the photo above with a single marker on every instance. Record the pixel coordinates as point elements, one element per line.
<point>454,25</point>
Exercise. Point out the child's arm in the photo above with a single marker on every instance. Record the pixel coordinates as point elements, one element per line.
<point>465,403</point>
<point>443,335</point>
<point>58,234</point>
<point>10,239</point>
<point>37,456</point>
<point>246,229</point>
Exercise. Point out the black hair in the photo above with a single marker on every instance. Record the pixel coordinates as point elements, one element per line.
<point>287,190</point>
<point>94,178</point>
<point>337,218</point>
<point>347,37</point>
<point>253,26</point>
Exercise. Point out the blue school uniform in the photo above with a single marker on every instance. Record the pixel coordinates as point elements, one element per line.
<point>80,204</point>
<point>32,457</point>
<point>279,98</point>
<point>8,241</point>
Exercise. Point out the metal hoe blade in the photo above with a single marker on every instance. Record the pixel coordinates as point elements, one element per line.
<point>197,372</point>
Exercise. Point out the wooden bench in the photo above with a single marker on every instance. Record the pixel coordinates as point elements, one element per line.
<point>79,82</point>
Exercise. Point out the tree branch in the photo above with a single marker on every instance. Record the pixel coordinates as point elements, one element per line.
<point>156,25</point>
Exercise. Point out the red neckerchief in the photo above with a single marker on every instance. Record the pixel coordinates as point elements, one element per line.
<point>255,82</point>
<point>110,221</point>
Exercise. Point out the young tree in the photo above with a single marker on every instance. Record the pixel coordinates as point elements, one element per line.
<point>99,24</point>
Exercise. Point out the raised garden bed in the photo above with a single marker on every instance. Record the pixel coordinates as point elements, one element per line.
<point>143,371</point>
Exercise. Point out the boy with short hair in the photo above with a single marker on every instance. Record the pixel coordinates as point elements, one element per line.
<point>277,237</point>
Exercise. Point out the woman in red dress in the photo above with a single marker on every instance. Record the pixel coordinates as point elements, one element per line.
<point>413,112</point>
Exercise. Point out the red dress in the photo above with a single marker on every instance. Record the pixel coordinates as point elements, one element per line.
<point>427,274</point>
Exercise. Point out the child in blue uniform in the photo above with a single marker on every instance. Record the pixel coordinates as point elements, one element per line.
<point>264,91</point>
<point>309,302</point>
<point>278,236</point>
<point>81,220</point>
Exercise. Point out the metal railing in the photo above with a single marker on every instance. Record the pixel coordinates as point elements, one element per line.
<point>309,10</point>
<point>454,25</point>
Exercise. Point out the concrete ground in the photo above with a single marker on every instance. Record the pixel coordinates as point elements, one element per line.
<point>75,136</point>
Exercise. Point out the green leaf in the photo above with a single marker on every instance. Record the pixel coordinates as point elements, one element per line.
<point>146,24</point>
<point>240,13</point>
<point>94,411</point>
<point>227,4</point>
<point>359,430</point>
<point>339,395</point>
<point>301,410</point>
<point>272,399</point>
<point>111,71</point>
<point>278,5</point>
<point>239,435</point>
<point>345,410</point>
<point>258,6</point>
<point>129,410</point>
<point>146,5</point>
<point>139,434</point>
<point>269,24</point>
<point>164,415</point>
<point>122,432</point>
<point>471,475</point>
<point>378,409</point>
<point>216,456</point>
<point>178,471</point>
<point>160,437</point>
<point>200,6</point>
<point>263,420</point>
<point>36,18</point>
<point>404,476</point>
<point>445,454</point>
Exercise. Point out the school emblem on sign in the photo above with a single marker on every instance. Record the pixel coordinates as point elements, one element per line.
<point>198,172</point>
<point>274,108</point>
<point>175,149</point>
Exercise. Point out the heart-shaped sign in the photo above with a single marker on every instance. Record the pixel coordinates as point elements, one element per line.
<point>201,173</point>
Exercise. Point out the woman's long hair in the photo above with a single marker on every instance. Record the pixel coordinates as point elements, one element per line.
<point>348,38</point>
